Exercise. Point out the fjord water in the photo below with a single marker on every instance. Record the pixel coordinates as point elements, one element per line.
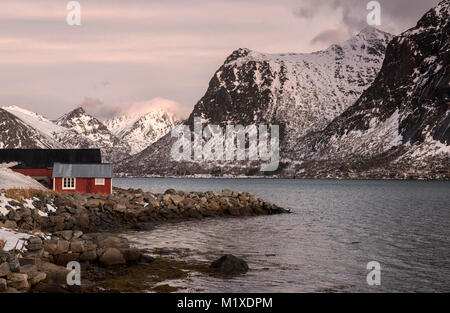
<point>336,228</point>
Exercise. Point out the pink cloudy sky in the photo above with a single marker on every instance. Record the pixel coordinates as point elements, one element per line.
<point>138,53</point>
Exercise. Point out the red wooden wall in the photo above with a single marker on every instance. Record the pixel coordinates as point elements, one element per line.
<point>84,185</point>
<point>36,172</point>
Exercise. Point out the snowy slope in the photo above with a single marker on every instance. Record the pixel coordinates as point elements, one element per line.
<point>15,133</point>
<point>10,179</point>
<point>35,120</point>
<point>140,131</point>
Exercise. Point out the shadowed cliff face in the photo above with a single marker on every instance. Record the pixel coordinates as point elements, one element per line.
<point>299,92</point>
<point>410,93</point>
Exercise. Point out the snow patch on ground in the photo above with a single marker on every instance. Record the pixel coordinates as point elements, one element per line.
<point>13,239</point>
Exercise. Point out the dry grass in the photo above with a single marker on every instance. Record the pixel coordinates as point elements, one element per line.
<point>21,194</point>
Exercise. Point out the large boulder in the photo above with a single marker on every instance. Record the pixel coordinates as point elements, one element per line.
<point>77,246</point>
<point>131,255</point>
<point>109,241</point>
<point>112,257</point>
<point>56,246</point>
<point>4,269</point>
<point>18,281</point>
<point>88,256</point>
<point>54,274</point>
<point>40,276</point>
<point>3,285</point>
<point>14,264</point>
<point>229,264</point>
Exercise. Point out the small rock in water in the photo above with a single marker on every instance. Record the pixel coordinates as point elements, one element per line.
<point>229,264</point>
<point>146,258</point>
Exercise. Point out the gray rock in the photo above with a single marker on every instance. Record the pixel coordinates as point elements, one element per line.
<point>18,281</point>
<point>113,242</point>
<point>55,274</point>
<point>77,234</point>
<point>65,234</point>
<point>77,246</point>
<point>34,246</point>
<point>131,255</point>
<point>229,264</point>
<point>35,241</point>
<point>30,270</point>
<point>4,269</point>
<point>146,258</point>
<point>40,276</point>
<point>3,285</point>
<point>89,256</point>
<point>64,258</point>
<point>14,264</point>
<point>56,246</point>
<point>112,257</point>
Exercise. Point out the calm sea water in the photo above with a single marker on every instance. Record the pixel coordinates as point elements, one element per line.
<point>337,228</point>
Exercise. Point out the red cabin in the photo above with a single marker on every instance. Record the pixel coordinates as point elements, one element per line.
<point>83,178</point>
<point>79,170</point>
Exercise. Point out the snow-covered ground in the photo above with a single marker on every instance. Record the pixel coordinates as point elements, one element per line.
<point>12,238</point>
<point>10,179</point>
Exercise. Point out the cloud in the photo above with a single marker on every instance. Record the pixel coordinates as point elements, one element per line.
<point>396,16</point>
<point>104,111</point>
<point>330,36</point>
<point>91,103</point>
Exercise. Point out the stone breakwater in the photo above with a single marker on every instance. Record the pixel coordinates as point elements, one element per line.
<point>72,227</point>
<point>126,209</point>
<point>40,265</point>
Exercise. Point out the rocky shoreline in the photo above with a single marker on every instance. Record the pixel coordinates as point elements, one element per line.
<point>78,227</point>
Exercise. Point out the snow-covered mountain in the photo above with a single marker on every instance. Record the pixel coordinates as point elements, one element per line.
<point>23,128</point>
<point>96,132</point>
<point>400,125</point>
<point>141,130</point>
<point>299,92</point>
<point>341,114</point>
<point>15,133</point>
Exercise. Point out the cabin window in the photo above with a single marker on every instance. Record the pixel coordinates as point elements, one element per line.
<point>100,182</point>
<point>68,183</point>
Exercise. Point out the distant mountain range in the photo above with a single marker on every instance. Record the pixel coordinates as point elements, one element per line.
<point>374,106</point>
<point>77,129</point>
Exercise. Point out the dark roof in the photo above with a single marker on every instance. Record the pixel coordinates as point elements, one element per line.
<point>83,170</point>
<point>44,158</point>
